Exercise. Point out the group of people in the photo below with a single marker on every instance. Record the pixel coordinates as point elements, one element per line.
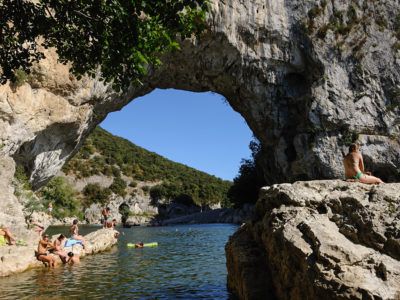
<point>105,213</point>
<point>47,249</point>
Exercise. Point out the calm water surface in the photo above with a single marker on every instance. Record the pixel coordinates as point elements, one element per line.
<point>189,263</point>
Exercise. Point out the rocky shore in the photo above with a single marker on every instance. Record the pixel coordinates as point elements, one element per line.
<point>319,240</point>
<point>16,259</point>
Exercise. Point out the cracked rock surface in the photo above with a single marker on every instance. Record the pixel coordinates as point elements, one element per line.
<point>319,240</point>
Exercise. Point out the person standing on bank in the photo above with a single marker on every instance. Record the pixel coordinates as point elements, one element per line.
<point>105,213</point>
<point>354,167</point>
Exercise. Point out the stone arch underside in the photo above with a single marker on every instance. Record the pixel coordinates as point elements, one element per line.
<point>300,99</point>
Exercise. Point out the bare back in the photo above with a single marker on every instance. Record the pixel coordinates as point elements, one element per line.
<point>74,230</point>
<point>353,164</point>
<point>57,245</point>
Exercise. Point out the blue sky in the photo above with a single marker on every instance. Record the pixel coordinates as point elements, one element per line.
<point>197,129</point>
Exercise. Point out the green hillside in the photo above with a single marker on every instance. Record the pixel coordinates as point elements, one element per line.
<point>104,153</point>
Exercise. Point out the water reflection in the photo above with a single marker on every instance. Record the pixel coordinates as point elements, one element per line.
<point>188,264</point>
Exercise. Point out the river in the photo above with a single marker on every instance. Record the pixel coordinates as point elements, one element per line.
<point>189,263</point>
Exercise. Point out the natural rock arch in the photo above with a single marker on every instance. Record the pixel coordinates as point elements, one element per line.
<point>300,96</point>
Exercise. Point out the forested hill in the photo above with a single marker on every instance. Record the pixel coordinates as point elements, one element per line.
<point>109,155</point>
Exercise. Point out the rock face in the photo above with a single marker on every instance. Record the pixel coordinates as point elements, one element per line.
<point>319,240</point>
<point>16,259</point>
<point>308,77</point>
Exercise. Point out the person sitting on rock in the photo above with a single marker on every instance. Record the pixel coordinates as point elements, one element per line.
<point>43,253</point>
<point>111,224</point>
<point>58,248</point>
<point>73,258</point>
<point>6,234</point>
<point>354,167</point>
<point>75,233</point>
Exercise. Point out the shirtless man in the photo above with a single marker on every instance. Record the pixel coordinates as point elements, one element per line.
<point>43,254</point>
<point>139,245</point>
<point>354,167</point>
<point>75,233</point>
<point>73,258</point>
<point>105,213</point>
<point>4,231</point>
<point>111,224</point>
<point>58,248</point>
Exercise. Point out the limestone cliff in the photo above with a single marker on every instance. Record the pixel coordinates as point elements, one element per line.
<point>319,240</point>
<point>308,77</point>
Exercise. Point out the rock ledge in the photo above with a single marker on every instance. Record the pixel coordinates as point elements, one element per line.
<point>16,259</point>
<point>319,240</point>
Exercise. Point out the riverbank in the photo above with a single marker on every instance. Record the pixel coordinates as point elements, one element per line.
<point>220,215</point>
<point>17,259</point>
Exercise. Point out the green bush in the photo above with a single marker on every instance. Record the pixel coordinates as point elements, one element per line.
<point>146,189</point>
<point>63,198</point>
<point>133,184</point>
<point>118,186</point>
<point>94,193</point>
<point>20,77</point>
<point>22,177</point>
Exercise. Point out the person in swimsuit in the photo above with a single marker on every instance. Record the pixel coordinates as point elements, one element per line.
<point>58,248</point>
<point>105,213</point>
<point>50,208</point>
<point>43,253</point>
<point>6,233</point>
<point>354,167</point>
<point>74,230</point>
<point>111,224</point>
<point>73,258</point>
<point>139,245</point>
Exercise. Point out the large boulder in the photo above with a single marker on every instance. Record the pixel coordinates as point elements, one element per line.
<point>319,240</point>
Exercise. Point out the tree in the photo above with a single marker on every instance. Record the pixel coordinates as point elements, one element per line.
<point>250,179</point>
<point>118,186</point>
<point>62,195</point>
<point>94,193</point>
<point>122,37</point>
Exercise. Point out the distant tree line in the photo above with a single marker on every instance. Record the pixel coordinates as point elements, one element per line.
<point>246,185</point>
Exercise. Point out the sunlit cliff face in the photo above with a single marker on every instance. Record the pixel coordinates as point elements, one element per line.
<point>305,95</point>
